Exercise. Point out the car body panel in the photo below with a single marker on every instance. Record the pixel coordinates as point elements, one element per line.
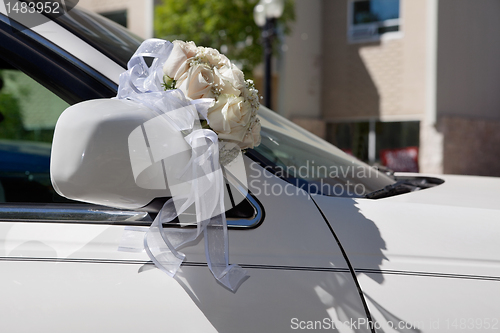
<point>99,296</point>
<point>94,296</point>
<point>433,230</point>
<point>295,268</point>
<point>427,259</point>
<point>426,304</point>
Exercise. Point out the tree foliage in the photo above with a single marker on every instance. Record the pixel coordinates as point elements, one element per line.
<point>226,25</point>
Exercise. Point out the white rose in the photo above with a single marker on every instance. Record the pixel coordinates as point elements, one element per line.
<point>252,137</point>
<point>234,75</point>
<point>197,82</point>
<point>212,56</point>
<point>177,62</point>
<point>224,61</point>
<point>229,117</point>
<point>224,86</point>
<point>237,134</point>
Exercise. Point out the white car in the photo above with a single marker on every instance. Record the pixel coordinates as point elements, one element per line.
<point>329,243</point>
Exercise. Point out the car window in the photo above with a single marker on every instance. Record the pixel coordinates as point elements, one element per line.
<point>28,114</point>
<point>105,35</point>
<point>312,164</point>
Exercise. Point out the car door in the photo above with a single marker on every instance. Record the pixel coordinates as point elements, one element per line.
<point>63,269</point>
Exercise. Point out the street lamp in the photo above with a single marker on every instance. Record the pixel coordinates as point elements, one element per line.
<point>265,14</point>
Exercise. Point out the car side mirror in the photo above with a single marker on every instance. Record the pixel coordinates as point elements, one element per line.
<point>119,153</point>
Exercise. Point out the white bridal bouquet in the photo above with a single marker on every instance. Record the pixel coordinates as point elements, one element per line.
<point>202,72</point>
<point>198,92</point>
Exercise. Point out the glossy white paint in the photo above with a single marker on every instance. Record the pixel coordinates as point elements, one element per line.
<point>452,228</point>
<point>432,304</point>
<point>296,270</point>
<point>271,298</point>
<point>94,297</point>
<point>428,257</point>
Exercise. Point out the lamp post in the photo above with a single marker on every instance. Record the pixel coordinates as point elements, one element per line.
<point>265,15</point>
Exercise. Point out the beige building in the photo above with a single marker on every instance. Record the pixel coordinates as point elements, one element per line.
<point>370,75</point>
<point>136,15</point>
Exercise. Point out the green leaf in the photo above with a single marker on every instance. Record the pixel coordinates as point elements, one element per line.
<point>226,25</point>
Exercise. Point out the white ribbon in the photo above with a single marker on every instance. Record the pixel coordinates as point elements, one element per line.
<point>143,84</point>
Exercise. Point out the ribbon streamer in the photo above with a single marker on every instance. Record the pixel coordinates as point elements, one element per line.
<point>202,173</point>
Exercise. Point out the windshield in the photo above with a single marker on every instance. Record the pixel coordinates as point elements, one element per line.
<point>310,163</point>
<point>110,38</point>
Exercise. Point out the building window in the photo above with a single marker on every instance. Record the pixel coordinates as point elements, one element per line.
<point>370,19</point>
<point>119,16</point>
<point>392,144</point>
